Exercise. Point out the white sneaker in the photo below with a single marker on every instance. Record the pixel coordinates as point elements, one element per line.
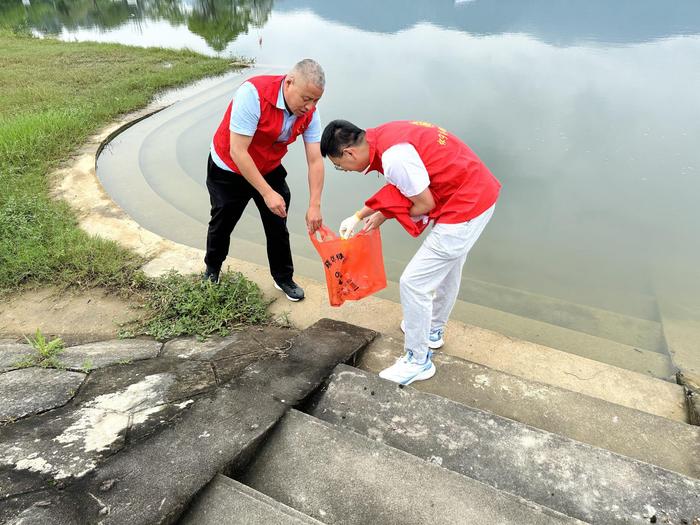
<point>435,339</point>
<point>406,370</point>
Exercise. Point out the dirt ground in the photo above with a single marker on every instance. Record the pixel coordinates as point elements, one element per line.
<point>76,317</point>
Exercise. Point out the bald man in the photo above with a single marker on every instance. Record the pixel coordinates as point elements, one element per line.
<point>265,116</point>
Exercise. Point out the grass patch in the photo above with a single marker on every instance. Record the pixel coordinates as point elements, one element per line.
<point>178,305</point>
<point>54,96</point>
<point>47,352</point>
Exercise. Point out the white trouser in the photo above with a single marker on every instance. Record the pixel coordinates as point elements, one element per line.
<point>430,283</point>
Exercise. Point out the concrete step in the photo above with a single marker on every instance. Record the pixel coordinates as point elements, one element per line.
<point>549,366</point>
<point>495,350</point>
<point>623,430</point>
<point>225,501</point>
<point>338,476</point>
<point>588,483</point>
<point>600,349</point>
<point>631,331</point>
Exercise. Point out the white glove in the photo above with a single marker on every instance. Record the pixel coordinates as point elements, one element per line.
<point>348,225</point>
<point>420,218</point>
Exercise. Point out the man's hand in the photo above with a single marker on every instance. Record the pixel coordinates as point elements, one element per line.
<point>313,219</point>
<point>275,202</point>
<point>373,221</point>
<point>315,162</point>
<point>348,225</point>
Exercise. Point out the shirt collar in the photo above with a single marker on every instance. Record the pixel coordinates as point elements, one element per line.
<point>280,98</point>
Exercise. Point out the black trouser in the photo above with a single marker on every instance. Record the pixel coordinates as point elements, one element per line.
<point>229,194</point>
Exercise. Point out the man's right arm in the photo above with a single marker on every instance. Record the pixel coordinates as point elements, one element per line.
<point>245,116</point>
<point>245,163</point>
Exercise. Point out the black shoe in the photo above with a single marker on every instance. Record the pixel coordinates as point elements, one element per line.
<point>292,290</point>
<point>211,275</point>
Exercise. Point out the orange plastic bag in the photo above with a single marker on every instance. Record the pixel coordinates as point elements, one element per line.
<point>354,267</point>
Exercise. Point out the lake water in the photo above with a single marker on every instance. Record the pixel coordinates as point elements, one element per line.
<point>587,111</point>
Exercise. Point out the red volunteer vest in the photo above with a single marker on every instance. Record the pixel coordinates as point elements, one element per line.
<point>462,186</point>
<point>264,149</point>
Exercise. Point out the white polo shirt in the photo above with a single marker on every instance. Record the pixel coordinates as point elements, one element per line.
<point>404,169</point>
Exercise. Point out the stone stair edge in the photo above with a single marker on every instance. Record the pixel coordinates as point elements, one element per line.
<point>569,372</point>
<point>568,340</point>
<point>207,507</point>
<point>299,422</point>
<point>374,408</point>
<point>251,492</point>
<point>606,425</point>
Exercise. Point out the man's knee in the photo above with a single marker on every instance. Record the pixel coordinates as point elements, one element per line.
<point>224,214</point>
<point>408,284</point>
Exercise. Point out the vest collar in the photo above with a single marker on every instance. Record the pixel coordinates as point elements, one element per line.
<point>273,93</point>
<point>280,98</point>
<point>375,160</point>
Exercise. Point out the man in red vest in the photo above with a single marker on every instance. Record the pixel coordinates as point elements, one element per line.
<point>445,182</point>
<point>266,115</point>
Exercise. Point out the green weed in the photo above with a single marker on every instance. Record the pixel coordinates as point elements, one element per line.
<point>178,305</point>
<point>87,365</point>
<point>47,352</point>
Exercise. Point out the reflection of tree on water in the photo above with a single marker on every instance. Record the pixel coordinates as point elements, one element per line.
<point>217,21</point>
<point>221,21</point>
<point>53,16</point>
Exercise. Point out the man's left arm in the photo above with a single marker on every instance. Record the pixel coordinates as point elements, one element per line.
<point>316,176</point>
<point>423,203</point>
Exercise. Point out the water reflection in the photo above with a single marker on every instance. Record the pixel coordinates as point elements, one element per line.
<point>620,21</point>
<point>220,22</point>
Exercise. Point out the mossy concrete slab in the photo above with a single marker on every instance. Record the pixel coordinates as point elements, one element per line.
<point>170,380</point>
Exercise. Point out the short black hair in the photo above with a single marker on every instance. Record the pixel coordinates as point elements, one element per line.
<point>338,135</point>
